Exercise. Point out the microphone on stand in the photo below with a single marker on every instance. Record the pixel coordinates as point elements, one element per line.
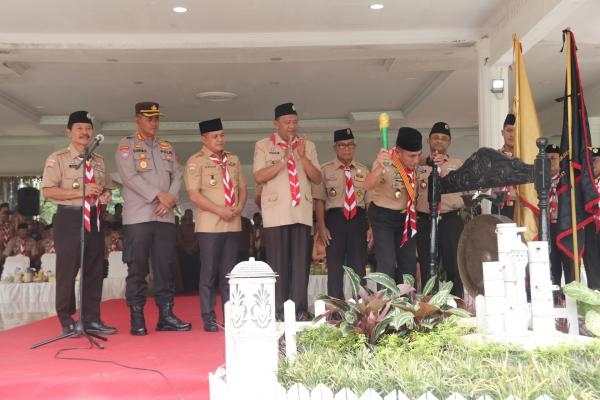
<point>99,138</point>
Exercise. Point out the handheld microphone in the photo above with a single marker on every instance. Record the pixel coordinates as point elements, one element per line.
<point>99,138</point>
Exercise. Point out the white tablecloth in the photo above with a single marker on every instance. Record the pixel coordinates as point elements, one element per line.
<point>40,297</point>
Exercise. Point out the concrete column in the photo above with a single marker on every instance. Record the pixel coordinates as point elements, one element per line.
<point>492,107</point>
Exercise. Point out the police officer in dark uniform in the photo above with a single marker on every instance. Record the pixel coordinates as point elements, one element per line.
<point>392,185</point>
<point>63,183</point>
<point>151,181</point>
<point>341,212</point>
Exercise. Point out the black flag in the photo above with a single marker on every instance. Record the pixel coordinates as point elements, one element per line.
<point>577,195</point>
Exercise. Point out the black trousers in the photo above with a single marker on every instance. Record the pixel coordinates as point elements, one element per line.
<point>67,234</point>
<point>189,265</point>
<point>218,256</point>
<point>348,246</point>
<point>591,256</point>
<point>146,241</point>
<point>507,211</point>
<point>289,254</point>
<point>392,259</point>
<point>559,262</point>
<point>450,226</point>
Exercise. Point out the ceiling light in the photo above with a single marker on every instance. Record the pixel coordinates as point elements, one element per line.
<point>216,96</point>
<point>497,85</point>
<point>376,6</point>
<point>180,9</point>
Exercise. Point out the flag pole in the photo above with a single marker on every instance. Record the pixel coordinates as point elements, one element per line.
<point>569,99</point>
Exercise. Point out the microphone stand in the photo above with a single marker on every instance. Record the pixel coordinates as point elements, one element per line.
<point>79,330</point>
<point>434,197</point>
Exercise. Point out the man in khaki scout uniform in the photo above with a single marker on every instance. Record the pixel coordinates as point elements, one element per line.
<point>450,223</point>
<point>63,183</point>
<point>507,208</point>
<point>286,165</point>
<point>151,181</point>
<point>341,212</point>
<point>23,244</point>
<point>216,185</point>
<point>392,184</point>
<point>591,256</point>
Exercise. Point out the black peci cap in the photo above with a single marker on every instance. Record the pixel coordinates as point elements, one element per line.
<point>409,139</point>
<point>552,148</point>
<point>343,134</point>
<point>79,117</point>
<point>510,119</point>
<point>440,127</point>
<point>210,125</point>
<point>594,151</point>
<point>285,109</point>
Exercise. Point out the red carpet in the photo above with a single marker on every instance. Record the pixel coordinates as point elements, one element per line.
<point>184,358</point>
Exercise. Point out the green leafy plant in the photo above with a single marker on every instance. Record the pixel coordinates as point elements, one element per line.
<point>396,308</point>
<point>589,301</point>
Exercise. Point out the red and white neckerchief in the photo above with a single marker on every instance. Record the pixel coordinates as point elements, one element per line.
<point>553,198</point>
<point>227,182</point>
<point>51,250</point>
<point>89,200</point>
<point>349,195</point>
<point>21,247</point>
<point>292,170</point>
<point>409,179</point>
<point>5,233</point>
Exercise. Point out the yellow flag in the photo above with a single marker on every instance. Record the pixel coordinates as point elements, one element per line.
<point>526,133</point>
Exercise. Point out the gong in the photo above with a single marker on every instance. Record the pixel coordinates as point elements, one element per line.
<point>478,243</point>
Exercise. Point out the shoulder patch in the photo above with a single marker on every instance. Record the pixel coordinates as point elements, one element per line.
<point>50,163</point>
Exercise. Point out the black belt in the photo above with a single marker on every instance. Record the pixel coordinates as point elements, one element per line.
<point>72,208</point>
<point>342,209</point>
<point>446,214</point>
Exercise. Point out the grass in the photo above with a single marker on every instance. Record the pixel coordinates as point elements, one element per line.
<point>444,363</point>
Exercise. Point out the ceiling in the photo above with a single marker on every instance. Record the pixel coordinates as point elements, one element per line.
<point>338,61</point>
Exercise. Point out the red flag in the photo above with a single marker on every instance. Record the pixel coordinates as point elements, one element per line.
<point>576,193</point>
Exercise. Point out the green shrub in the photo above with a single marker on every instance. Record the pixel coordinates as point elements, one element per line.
<point>444,362</point>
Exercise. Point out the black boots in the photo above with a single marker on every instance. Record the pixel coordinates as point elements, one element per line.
<point>210,322</point>
<point>138,324</point>
<point>167,321</point>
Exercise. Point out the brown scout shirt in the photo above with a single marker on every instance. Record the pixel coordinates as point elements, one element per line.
<point>450,201</point>
<point>333,186</point>
<point>276,199</point>
<point>390,191</point>
<point>204,175</point>
<point>60,171</point>
<point>30,247</point>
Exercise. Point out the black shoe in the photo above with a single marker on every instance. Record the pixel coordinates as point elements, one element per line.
<point>167,321</point>
<point>304,316</point>
<point>138,323</point>
<point>99,328</point>
<point>210,326</point>
<point>70,329</point>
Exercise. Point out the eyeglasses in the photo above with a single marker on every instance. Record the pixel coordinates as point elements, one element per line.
<point>345,145</point>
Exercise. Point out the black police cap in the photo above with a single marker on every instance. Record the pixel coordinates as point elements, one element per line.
<point>552,148</point>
